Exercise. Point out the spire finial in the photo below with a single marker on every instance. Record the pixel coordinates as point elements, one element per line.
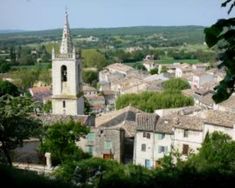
<point>66,44</point>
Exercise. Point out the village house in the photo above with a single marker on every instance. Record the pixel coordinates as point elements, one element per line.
<point>188,134</point>
<point>200,79</point>
<point>88,90</point>
<point>96,102</point>
<point>149,63</point>
<point>183,131</point>
<point>41,94</point>
<point>202,67</point>
<point>182,70</point>
<point>203,98</point>
<point>227,105</point>
<point>215,120</point>
<point>152,140</point>
<point>110,98</point>
<point>113,135</point>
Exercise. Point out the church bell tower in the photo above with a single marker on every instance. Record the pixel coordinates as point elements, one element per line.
<point>67,96</point>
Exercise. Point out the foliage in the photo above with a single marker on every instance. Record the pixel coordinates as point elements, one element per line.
<point>150,101</point>
<point>4,66</point>
<point>11,177</point>
<point>16,123</point>
<point>139,66</point>
<point>59,139</point>
<point>222,34</point>
<point>154,71</point>
<point>164,69</point>
<point>176,84</point>
<point>96,172</point>
<point>216,154</point>
<point>7,87</point>
<point>47,107</point>
<point>90,77</point>
<point>226,2</point>
<point>87,106</point>
<point>25,78</point>
<point>44,76</point>
<point>93,58</point>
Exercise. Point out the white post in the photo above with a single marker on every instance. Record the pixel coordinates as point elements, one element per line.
<point>48,160</point>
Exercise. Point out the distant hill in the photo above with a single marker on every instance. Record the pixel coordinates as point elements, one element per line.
<point>137,30</point>
<point>11,31</point>
<point>173,34</point>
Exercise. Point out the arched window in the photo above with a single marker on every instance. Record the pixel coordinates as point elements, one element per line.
<point>64,73</point>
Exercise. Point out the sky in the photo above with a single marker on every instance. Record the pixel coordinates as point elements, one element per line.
<point>49,14</point>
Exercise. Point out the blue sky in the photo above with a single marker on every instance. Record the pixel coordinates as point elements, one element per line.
<point>49,14</point>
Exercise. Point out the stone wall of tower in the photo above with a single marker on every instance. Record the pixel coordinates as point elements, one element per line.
<point>72,85</point>
<point>72,106</point>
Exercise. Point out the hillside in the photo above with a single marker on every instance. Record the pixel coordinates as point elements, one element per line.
<point>189,34</point>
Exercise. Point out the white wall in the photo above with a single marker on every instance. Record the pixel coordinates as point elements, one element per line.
<point>141,156</point>
<point>212,128</point>
<point>166,142</point>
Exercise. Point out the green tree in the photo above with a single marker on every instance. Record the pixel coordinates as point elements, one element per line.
<point>216,154</point>
<point>154,71</point>
<point>222,34</point>
<point>25,78</point>
<point>4,66</point>
<point>16,123</point>
<point>7,87</point>
<point>12,55</point>
<point>150,101</point>
<point>176,84</point>
<point>93,58</point>
<point>47,107</point>
<point>90,77</point>
<point>164,69</point>
<point>59,139</point>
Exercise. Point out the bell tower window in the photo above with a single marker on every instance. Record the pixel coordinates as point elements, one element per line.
<point>64,73</point>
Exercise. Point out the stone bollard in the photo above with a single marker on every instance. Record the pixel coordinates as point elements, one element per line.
<point>48,160</point>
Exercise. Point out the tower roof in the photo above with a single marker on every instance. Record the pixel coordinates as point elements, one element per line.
<point>66,44</point>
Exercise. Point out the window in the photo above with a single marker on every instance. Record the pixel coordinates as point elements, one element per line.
<point>160,136</point>
<point>143,147</point>
<point>108,145</point>
<point>64,73</point>
<point>185,150</point>
<point>90,149</point>
<point>185,133</point>
<point>91,137</point>
<point>147,163</point>
<point>162,149</point>
<point>64,104</point>
<point>146,135</point>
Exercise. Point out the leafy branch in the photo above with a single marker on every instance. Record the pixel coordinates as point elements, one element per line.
<point>222,34</point>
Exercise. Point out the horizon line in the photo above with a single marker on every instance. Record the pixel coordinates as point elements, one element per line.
<point>111,27</point>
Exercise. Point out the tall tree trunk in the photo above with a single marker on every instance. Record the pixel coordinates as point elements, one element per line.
<point>6,153</point>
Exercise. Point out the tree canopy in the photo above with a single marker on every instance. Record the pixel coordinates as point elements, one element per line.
<point>176,83</point>
<point>7,87</point>
<point>150,101</point>
<point>216,154</point>
<point>93,58</point>
<point>59,139</point>
<point>90,77</point>
<point>16,123</point>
